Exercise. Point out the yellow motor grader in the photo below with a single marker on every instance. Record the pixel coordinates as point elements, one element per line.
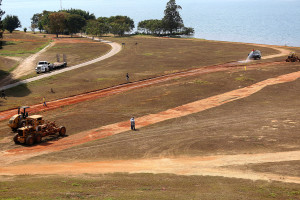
<point>35,129</point>
<point>18,120</point>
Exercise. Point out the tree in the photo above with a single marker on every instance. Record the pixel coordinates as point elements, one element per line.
<point>84,14</point>
<point>92,27</point>
<point>75,23</point>
<point>35,21</point>
<point>172,20</point>
<point>104,26</point>
<point>152,26</point>
<point>188,31</point>
<point>1,14</point>
<point>120,24</point>
<point>44,22</point>
<point>117,29</point>
<point>57,22</point>
<point>142,26</point>
<point>1,25</point>
<point>11,22</point>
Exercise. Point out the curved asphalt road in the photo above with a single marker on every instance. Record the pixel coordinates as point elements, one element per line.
<point>116,48</point>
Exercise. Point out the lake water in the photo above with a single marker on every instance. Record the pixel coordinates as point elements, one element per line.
<point>265,21</point>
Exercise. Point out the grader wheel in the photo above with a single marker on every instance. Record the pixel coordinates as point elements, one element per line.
<point>16,139</point>
<point>38,138</point>
<point>62,131</point>
<point>29,140</point>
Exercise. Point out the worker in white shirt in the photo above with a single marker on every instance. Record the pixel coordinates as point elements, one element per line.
<point>132,122</point>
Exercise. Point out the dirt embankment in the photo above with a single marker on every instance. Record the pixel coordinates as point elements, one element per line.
<point>4,115</point>
<point>212,166</point>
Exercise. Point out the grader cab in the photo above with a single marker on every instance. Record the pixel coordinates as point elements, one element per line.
<point>35,129</point>
<point>18,120</point>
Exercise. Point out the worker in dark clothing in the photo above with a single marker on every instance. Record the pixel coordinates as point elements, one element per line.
<point>127,77</point>
<point>132,122</point>
<point>3,94</point>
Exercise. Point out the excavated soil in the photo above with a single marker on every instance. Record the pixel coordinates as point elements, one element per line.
<point>208,166</point>
<point>135,85</point>
<point>213,166</point>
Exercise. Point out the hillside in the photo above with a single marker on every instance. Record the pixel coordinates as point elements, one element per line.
<point>209,127</point>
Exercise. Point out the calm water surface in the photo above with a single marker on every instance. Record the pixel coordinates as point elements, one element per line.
<point>264,21</point>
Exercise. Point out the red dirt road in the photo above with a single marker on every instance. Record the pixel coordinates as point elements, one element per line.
<point>106,131</point>
<point>4,115</point>
<point>205,166</point>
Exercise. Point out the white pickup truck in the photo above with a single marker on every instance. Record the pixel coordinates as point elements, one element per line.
<point>45,66</point>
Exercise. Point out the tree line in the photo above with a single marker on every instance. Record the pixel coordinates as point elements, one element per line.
<point>74,21</point>
<point>170,24</point>
<point>1,25</point>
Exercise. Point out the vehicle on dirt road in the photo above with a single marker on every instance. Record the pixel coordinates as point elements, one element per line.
<point>35,129</point>
<point>18,120</point>
<point>293,58</point>
<point>254,55</point>
<point>45,66</point>
<point>42,66</point>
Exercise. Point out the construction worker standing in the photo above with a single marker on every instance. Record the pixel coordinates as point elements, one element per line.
<point>44,102</point>
<point>3,94</point>
<point>132,122</point>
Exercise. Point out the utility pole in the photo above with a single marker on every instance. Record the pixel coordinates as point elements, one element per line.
<point>60,4</point>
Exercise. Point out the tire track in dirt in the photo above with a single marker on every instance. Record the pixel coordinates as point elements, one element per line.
<point>206,166</point>
<point>4,115</point>
<point>115,49</point>
<point>283,52</point>
<point>12,155</point>
<point>203,166</point>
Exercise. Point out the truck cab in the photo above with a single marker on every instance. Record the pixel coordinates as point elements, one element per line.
<point>42,66</point>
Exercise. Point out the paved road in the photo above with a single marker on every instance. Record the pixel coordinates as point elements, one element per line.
<point>116,48</point>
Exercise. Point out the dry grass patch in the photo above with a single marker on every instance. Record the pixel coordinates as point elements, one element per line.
<point>77,51</point>
<point>244,126</point>
<point>141,58</point>
<point>19,44</point>
<point>290,168</point>
<point>6,66</point>
<point>144,186</point>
